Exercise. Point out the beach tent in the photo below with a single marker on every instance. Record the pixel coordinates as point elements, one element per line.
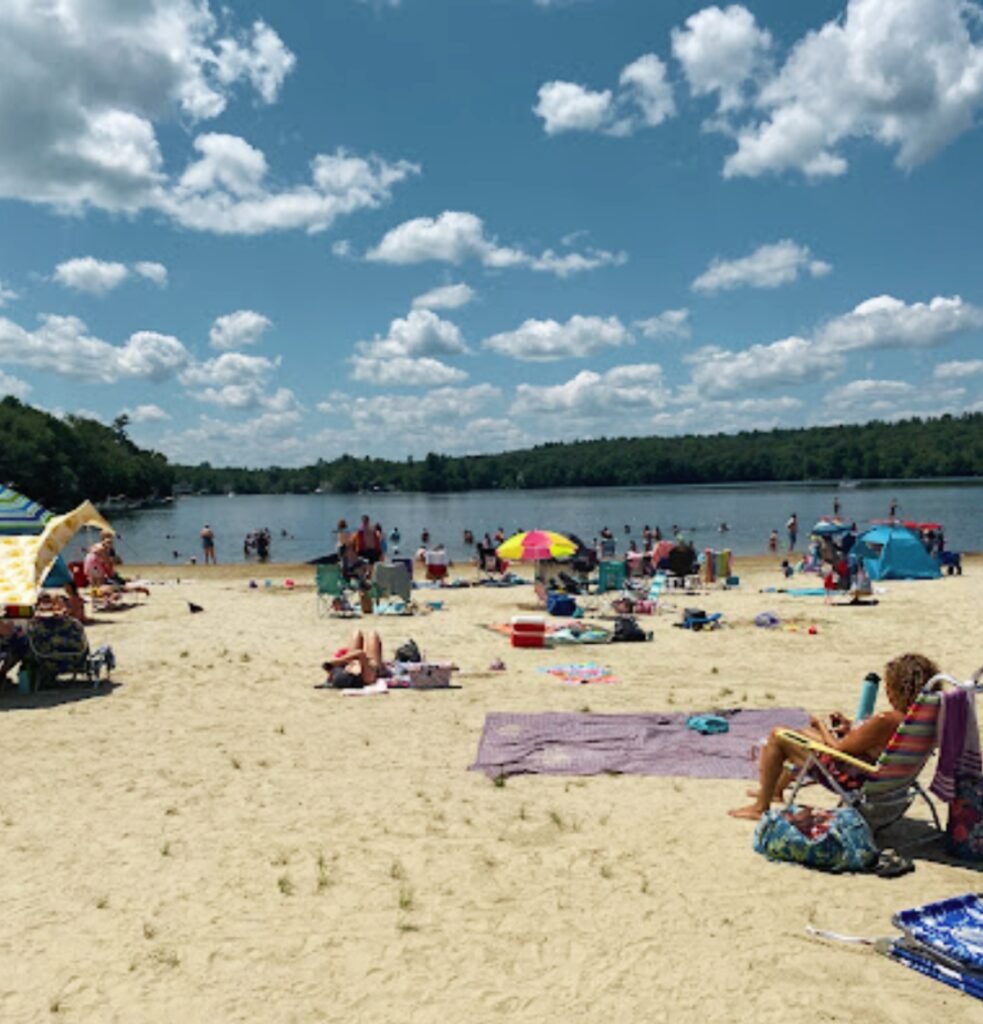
<point>829,528</point>
<point>894,553</point>
<point>26,559</point>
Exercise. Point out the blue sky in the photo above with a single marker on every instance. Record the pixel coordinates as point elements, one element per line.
<point>276,232</point>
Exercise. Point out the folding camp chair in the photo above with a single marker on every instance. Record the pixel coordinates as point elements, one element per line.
<point>891,785</point>
<point>332,595</point>
<point>392,580</point>
<point>58,646</point>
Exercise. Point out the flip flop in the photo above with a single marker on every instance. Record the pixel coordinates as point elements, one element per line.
<point>891,864</point>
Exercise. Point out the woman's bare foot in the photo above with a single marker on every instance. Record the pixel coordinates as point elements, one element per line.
<point>751,813</point>
<point>754,794</point>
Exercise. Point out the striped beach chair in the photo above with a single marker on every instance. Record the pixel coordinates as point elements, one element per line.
<point>891,784</point>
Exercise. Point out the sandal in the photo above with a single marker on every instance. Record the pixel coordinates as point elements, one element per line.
<point>891,864</point>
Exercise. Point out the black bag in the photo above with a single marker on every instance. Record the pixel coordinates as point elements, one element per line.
<point>627,630</point>
<point>408,652</point>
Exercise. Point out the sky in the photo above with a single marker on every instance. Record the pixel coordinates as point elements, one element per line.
<point>275,232</point>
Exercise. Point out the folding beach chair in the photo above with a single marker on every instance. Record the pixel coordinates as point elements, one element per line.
<point>58,646</point>
<point>392,581</point>
<point>891,785</point>
<point>332,596</point>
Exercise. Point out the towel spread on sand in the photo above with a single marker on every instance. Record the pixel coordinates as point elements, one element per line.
<point>570,743</point>
<point>581,672</point>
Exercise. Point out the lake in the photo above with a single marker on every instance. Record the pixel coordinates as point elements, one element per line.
<point>750,511</point>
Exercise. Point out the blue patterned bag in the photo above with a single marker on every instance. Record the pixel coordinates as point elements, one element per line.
<point>836,840</point>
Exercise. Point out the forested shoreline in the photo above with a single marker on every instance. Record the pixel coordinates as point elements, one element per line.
<point>60,461</point>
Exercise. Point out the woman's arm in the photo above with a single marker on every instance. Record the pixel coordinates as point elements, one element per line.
<point>871,736</point>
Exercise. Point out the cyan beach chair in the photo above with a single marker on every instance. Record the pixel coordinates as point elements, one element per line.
<point>332,595</point>
<point>891,784</point>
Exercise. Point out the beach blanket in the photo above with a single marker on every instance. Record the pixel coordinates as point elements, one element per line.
<point>580,673</point>
<point>570,743</point>
<point>563,631</point>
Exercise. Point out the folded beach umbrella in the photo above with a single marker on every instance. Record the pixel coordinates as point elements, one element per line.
<point>535,546</point>
<point>20,514</point>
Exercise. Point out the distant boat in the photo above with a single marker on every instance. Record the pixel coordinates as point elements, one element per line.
<point>848,485</point>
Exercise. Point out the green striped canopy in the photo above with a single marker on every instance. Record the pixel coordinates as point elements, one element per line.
<point>19,514</point>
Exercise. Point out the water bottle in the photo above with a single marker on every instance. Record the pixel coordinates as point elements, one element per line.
<point>24,679</point>
<point>868,695</point>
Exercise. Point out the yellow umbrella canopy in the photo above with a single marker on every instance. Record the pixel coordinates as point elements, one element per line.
<point>25,560</point>
<point>535,546</point>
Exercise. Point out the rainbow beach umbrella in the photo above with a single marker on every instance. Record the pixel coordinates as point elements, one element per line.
<point>536,546</point>
<point>20,515</point>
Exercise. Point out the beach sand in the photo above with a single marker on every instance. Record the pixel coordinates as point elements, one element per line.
<point>214,839</point>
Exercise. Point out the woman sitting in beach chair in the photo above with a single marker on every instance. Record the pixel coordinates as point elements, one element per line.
<point>904,679</point>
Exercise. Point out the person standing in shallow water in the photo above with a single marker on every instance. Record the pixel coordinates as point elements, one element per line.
<point>793,530</point>
<point>208,544</point>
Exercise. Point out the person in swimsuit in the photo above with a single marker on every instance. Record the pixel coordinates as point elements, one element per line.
<point>904,679</point>
<point>358,665</point>
<point>208,544</point>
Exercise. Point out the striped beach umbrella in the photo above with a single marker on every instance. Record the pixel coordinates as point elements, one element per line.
<point>536,546</point>
<point>19,514</point>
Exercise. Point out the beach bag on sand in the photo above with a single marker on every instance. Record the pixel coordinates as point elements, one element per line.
<point>627,630</point>
<point>964,830</point>
<point>408,652</point>
<point>831,840</point>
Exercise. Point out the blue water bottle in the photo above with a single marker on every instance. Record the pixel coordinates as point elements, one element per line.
<point>868,695</point>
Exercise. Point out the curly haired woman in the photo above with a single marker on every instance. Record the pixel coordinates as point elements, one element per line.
<point>904,679</point>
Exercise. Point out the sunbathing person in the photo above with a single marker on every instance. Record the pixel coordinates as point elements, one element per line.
<point>904,679</point>
<point>358,665</point>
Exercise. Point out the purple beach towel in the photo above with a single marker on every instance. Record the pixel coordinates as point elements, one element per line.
<point>571,743</point>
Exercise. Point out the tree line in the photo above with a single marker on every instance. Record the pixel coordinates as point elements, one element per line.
<point>61,461</point>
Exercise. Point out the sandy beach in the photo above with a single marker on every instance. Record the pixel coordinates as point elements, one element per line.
<point>215,839</point>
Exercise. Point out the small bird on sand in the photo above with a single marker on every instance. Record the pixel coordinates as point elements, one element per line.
<point>195,607</point>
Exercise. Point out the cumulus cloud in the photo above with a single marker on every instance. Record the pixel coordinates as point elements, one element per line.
<point>263,439</point>
<point>719,373</point>
<point>62,345</point>
<point>548,340</point>
<point>887,322</point>
<point>670,324</point>
<point>79,130</point>
<point>234,330</point>
<point>595,395</point>
<point>906,73</point>
<point>958,369</point>
<point>7,295</point>
<point>87,274</point>
<point>448,296</point>
<point>456,236</point>
<point>10,385</point>
<point>767,267</point>
<point>644,99</point>
<point>720,51</point>
<point>405,355</point>
<point>152,271</point>
<point>234,380</point>
<point>148,413</point>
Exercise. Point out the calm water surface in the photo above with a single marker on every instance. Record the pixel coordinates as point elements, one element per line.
<point>750,512</point>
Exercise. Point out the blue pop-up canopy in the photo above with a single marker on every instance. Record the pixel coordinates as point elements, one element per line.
<point>894,553</point>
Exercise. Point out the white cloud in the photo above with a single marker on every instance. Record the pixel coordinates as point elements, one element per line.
<point>907,73</point>
<point>719,373</point>
<point>7,295</point>
<point>568,107</point>
<point>63,345</point>
<point>672,323</point>
<point>887,322</point>
<point>448,296</point>
<point>767,267</point>
<point>152,271</point>
<point>547,340</point>
<point>343,249</point>
<point>10,385</point>
<point>264,439</point>
<point>148,413</point>
<point>87,274</point>
<point>403,371</point>
<point>229,369</point>
<point>644,99</point>
<point>233,330</point>
<point>595,396</point>
<point>78,128</point>
<point>455,236</point>
<point>720,51</point>
<point>958,369</point>
<point>871,396</point>
<point>252,395</point>
<point>695,414</point>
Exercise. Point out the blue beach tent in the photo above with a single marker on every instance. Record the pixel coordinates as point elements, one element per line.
<point>895,553</point>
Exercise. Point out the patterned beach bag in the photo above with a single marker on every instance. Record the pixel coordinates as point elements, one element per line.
<point>964,830</point>
<point>831,840</point>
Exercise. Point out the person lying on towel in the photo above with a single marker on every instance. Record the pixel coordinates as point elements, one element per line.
<point>358,665</point>
<point>904,679</point>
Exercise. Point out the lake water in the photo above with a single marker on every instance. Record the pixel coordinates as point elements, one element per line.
<point>750,512</point>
